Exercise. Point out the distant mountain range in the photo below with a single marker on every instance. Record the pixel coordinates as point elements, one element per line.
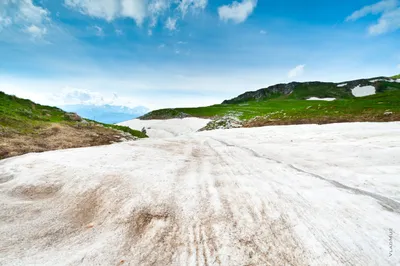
<point>110,114</point>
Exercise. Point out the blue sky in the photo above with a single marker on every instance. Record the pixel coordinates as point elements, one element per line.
<point>166,53</point>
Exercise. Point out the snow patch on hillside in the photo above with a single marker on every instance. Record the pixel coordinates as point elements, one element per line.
<point>342,85</point>
<point>320,99</point>
<point>361,91</point>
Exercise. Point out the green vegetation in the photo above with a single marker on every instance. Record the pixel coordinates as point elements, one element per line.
<point>29,127</point>
<point>291,111</point>
<point>129,130</point>
<point>396,77</point>
<point>321,90</point>
<point>24,116</point>
<point>288,104</point>
<point>164,114</point>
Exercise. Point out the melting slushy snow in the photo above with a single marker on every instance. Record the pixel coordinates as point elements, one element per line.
<point>361,91</point>
<point>320,99</point>
<point>167,128</point>
<point>284,195</point>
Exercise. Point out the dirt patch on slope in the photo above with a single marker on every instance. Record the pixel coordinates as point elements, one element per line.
<point>153,236</point>
<point>36,192</point>
<point>55,137</point>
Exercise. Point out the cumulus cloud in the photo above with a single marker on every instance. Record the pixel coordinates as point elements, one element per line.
<point>25,13</point>
<point>237,12</point>
<point>297,71</point>
<point>138,10</point>
<point>388,21</point>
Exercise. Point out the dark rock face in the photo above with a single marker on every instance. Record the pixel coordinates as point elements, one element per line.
<point>279,89</point>
<point>73,117</point>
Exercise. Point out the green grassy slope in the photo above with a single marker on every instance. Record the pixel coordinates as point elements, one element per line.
<point>396,77</point>
<point>305,90</point>
<point>29,127</point>
<point>320,90</point>
<point>25,117</point>
<point>370,108</point>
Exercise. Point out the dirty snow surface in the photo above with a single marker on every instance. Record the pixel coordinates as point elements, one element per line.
<point>169,127</point>
<point>361,91</point>
<point>321,99</point>
<point>284,195</point>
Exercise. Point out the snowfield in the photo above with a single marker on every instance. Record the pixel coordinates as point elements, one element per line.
<point>361,91</point>
<point>321,99</point>
<point>167,128</point>
<point>281,195</point>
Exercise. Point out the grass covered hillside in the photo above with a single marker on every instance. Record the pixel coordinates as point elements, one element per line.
<point>287,104</point>
<point>305,90</point>
<point>29,127</point>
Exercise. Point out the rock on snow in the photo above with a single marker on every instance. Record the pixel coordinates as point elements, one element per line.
<point>282,195</point>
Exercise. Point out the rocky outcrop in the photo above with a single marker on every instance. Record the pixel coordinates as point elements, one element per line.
<point>279,89</point>
<point>73,117</point>
<point>225,122</point>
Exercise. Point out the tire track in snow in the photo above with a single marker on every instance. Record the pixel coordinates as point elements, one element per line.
<point>330,244</point>
<point>387,203</point>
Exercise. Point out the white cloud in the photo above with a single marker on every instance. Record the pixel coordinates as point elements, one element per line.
<point>25,13</point>
<point>119,32</point>
<point>185,5</point>
<point>134,9</point>
<point>138,10</point>
<point>105,9</point>
<point>70,96</point>
<point>35,31</point>
<point>388,21</point>
<point>297,71</point>
<point>377,8</point>
<point>237,12</point>
<point>398,66</point>
<point>171,23</point>
<point>29,12</point>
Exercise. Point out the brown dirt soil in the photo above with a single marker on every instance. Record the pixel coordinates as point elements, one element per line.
<point>55,137</point>
<point>262,121</point>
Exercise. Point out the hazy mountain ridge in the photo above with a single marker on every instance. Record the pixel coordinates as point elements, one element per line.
<point>110,114</point>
